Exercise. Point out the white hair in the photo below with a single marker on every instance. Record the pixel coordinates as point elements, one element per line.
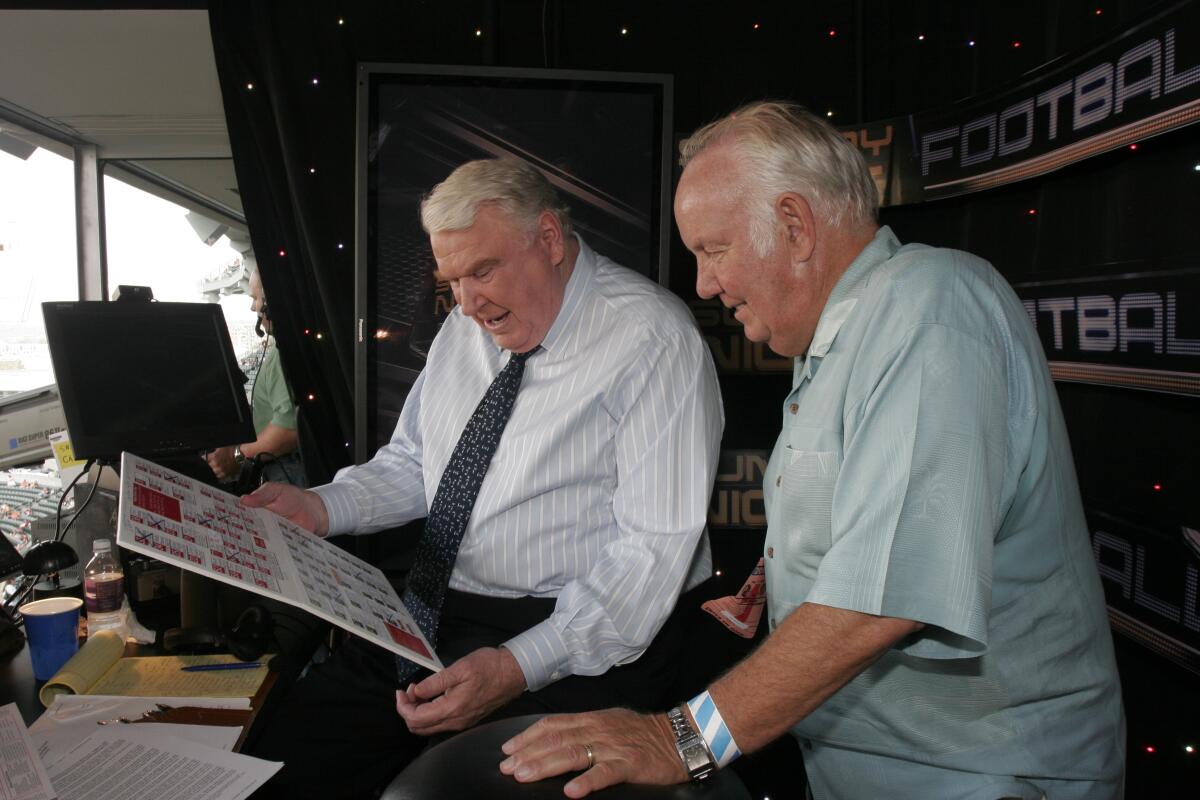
<point>513,186</point>
<point>786,148</point>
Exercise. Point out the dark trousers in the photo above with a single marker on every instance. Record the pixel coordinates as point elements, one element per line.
<point>338,732</point>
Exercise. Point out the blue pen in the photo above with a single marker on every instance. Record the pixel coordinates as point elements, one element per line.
<point>210,667</point>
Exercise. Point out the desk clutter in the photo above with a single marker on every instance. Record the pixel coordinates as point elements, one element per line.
<point>134,728</point>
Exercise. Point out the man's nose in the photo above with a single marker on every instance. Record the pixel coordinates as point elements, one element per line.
<point>468,298</point>
<point>706,282</point>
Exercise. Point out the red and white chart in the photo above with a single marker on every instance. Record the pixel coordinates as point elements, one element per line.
<point>172,518</point>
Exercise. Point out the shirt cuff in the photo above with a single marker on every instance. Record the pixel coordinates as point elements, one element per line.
<point>340,505</point>
<point>542,654</point>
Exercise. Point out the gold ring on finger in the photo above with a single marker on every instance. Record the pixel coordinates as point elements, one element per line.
<point>591,755</point>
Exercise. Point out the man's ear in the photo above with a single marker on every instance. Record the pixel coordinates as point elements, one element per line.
<point>550,235</point>
<point>796,216</point>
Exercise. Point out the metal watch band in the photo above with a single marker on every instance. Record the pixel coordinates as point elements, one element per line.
<point>693,750</point>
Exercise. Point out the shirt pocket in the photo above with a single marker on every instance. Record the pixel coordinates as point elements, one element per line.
<point>805,508</point>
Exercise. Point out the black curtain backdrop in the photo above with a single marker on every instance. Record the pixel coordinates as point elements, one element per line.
<point>289,92</point>
<point>294,148</point>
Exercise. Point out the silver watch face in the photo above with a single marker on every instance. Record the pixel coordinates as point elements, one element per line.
<point>695,756</point>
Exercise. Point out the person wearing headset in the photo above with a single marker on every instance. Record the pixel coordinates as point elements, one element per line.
<point>277,443</point>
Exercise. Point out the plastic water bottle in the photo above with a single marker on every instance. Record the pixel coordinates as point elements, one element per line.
<point>104,590</point>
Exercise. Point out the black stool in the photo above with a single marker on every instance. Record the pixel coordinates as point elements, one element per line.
<point>466,768</point>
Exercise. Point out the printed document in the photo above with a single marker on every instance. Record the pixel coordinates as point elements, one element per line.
<point>22,776</point>
<point>135,762</point>
<point>180,521</point>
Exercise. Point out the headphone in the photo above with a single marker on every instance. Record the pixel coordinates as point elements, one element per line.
<point>249,638</point>
<point>264,313</point>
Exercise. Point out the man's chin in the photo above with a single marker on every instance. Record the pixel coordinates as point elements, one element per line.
<point>513,342</point>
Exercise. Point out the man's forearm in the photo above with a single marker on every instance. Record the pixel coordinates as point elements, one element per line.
<point>274,440</point>
<point>813,653</point>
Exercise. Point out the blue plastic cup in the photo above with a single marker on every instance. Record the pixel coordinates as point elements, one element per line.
<point>52,627</point>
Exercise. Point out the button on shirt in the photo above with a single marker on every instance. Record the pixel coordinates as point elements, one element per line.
<point>924,472</point>
<point>599,490</point>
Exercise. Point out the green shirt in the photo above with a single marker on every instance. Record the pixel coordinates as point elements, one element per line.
<point>924,472</point>
<point>271,401</point>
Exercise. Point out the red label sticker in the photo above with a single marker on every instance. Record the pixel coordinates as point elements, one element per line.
<point>156,502</point>
<point>406,639</point>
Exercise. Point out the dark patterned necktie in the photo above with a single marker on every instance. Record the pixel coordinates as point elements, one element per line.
<point>425,588</point>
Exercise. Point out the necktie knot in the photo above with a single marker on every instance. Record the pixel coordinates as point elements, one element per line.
<point>521,358</point>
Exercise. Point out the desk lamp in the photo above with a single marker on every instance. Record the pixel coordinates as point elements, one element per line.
<point>48,558</point>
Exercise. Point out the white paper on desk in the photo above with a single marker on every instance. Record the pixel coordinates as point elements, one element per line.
<point>129,762</point>
<point>186,523</point>
<point>23,776</point>
<point>71,718</point>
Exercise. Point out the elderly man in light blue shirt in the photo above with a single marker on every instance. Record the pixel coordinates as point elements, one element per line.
<point>938,627</point>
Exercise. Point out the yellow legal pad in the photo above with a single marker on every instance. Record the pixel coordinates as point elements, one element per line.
<point>98,668</point>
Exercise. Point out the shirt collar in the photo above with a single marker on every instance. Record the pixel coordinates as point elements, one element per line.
<point>573,294</point>
<point>844,298</point>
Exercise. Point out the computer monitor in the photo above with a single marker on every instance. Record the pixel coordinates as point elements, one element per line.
<point>155,379</point>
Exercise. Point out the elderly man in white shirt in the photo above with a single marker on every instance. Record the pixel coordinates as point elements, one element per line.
<point>589,522</point>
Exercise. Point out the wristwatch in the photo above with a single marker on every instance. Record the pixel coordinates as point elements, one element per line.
<point>237,454</point>
<point>693,750</point>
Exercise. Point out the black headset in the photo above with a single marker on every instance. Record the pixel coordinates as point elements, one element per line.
<point>264,313</point>
<point>249,638</point>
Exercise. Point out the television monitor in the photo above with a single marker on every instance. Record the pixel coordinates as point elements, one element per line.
<point>602,139</point>
<point>155,379</point>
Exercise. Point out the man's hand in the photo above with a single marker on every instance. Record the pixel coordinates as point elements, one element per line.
<point>222,463</point>
<point>302,507</point>
<point>627,748</point>
<point>463,693</point>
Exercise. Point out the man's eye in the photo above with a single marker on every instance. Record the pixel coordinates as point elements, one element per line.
<point>484,273</point>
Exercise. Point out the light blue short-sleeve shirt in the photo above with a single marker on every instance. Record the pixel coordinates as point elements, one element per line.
<point>924,472</point>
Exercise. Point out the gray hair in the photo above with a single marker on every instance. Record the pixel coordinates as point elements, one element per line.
<point>786,148</point>
<point>515,187</point>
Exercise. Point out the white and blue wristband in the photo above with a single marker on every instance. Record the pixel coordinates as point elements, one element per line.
<point>713,729</point>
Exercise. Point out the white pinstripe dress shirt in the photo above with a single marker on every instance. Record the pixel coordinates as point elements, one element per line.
<point>598,492</point>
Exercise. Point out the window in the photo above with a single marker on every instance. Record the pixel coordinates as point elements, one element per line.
<point>37,258</point>
<point>154,242</point>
